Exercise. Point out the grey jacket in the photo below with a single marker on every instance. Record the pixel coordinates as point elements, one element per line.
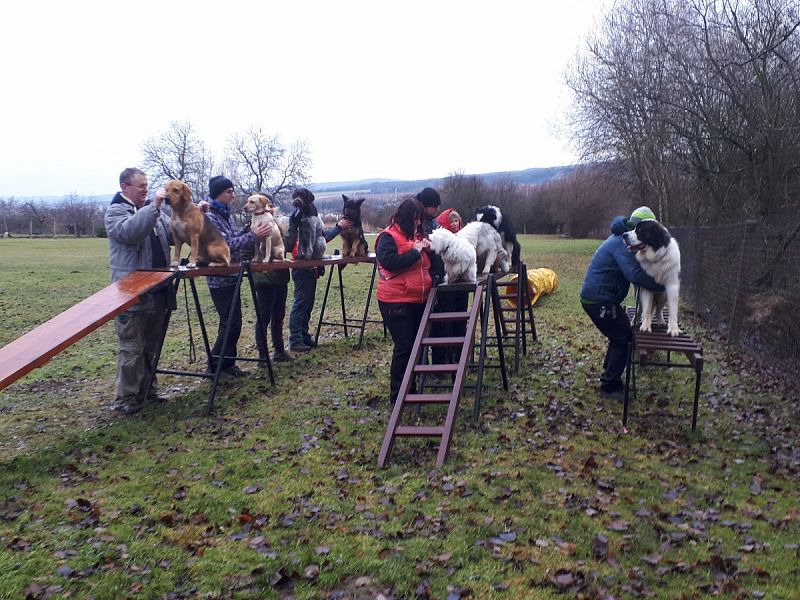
<point>129,239</point>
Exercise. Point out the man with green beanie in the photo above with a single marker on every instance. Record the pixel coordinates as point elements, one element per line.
<point>612,269</point>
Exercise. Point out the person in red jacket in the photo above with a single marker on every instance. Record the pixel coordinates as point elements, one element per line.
<point>404,283</point>
<point>450,219</point>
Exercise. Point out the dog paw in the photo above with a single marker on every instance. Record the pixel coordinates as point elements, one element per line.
<point>174,263</point>
<point>674,331</point>
<point>645,326</point>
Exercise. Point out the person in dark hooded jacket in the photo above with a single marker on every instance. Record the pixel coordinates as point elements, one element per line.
<point>612,269</point>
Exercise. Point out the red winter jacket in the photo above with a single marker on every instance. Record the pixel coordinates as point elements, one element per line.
<point>408,284</point>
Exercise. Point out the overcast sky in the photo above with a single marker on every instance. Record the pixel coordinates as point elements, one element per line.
<point>406,90</point>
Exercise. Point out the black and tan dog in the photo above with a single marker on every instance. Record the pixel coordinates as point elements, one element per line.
<point>311,231</point>
<point>353,241</point>
<point>191,226</point>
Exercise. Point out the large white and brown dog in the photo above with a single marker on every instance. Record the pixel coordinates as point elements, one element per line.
<point>658,253</point>
<point>260,207</point>
<point>489,250</point>
<point>460,261</point>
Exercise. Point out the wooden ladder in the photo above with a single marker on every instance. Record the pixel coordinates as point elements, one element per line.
<point>516,314</point>
<point>413,379</point>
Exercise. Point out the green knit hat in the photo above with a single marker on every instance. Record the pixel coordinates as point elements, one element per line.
<point>640,214</point>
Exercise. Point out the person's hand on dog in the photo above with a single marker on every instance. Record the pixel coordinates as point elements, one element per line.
<point>203,205</point>
<point>262,230</point>
<point>161,194</point>
<point>345,224</point>
<point>421,245</point>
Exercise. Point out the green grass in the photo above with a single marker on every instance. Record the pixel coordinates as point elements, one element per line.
<point>278,493</point>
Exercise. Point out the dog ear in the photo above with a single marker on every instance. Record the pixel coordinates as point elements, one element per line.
<point>359,202</point>
<point>186,193</point>
<point>345,198</point>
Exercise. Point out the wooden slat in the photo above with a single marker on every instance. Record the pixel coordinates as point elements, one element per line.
<point>428,398</point>
<point>436,368</point>
<point>38,346</point>
<point>449,316</point>
<point>443,341</point>
<point>420,431</point>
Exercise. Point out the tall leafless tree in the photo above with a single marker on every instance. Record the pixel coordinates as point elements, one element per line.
<point>257,161</point>
<point>178,153</point>
<point>700,100</point>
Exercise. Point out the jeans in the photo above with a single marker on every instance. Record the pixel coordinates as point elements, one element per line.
<point>612,321</point>
<point>272,312</point>
<point>305,288</point>
<point>223,299</point>
<point>402,319</point>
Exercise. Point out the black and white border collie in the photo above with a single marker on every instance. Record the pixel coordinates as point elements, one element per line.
<point>658,253</point>
<point>494,217</point>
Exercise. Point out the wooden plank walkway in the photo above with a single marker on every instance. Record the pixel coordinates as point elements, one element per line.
<point>38,346</point>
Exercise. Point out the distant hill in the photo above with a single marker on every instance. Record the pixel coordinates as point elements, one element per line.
<point>389,186</point>
<point>375,186</point>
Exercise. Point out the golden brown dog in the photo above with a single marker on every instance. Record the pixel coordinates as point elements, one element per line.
<point>191,226</point>
<point>261,209</point>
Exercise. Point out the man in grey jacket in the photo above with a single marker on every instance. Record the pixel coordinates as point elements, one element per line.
<point>138,238</point>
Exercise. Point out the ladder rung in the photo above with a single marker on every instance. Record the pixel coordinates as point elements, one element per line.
<point>443,368</point>
<point>415,430</point>
<point>443,341</point>
<point>427,398</point>
<point>507,296</point>
<point>449,316</point>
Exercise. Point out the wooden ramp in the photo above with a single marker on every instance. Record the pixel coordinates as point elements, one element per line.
<point>37,347</point>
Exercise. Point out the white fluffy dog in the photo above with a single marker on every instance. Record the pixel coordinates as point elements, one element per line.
<point>488,246</point>
<point>268,249</point>
<point>658,253</point>
<point>460,260</point>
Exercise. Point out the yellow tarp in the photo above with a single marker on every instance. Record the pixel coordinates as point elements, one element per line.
<point>540,281</point>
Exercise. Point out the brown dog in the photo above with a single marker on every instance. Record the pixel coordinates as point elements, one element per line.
<point>267,249</point>
<point>191,226</point>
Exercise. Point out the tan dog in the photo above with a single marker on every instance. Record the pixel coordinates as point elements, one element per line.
<point>266,250</point>
<point>191,226</point>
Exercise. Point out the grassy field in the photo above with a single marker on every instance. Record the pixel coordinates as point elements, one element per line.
<point>278,494</point>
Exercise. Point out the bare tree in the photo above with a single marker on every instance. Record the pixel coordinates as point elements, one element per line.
<point>178,153</point>
<point>700,100</point>
<point>465,193</point>
<point>257,161</point>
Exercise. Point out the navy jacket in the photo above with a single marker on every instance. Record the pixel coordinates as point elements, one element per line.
<point>613,269</point>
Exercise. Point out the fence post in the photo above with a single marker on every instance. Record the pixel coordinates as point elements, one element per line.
<point>736,318</point>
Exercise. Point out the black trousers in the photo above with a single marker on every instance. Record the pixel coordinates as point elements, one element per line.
<point>271,313</point>
<point>612,321</point>
<point>402,319</point>
<point>448,302</point>
<point>223,299</point>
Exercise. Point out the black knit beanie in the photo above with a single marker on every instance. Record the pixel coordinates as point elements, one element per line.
<point>429,197</point>
<point>217,185</point>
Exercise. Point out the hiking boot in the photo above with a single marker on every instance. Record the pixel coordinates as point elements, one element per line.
<point>299,348</point>
<point>234,371</point>
<point>128,407</point>
<point>262,361</point>
<point>281,356</point>
<point>613,392</point>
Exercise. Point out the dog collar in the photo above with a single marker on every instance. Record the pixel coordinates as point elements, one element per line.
<point>257,213</point>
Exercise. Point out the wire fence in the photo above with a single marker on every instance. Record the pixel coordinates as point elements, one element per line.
<point>744,279</point>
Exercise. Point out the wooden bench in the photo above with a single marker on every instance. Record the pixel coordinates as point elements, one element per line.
<point>644,350</point>
<point>37,347</point>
